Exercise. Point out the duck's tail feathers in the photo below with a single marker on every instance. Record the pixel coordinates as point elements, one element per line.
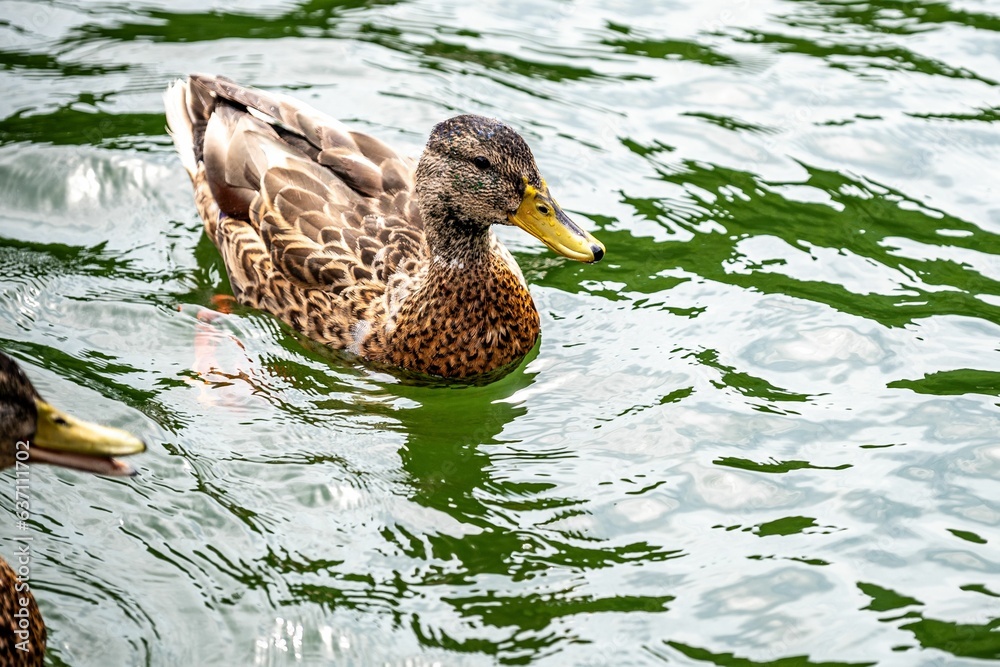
<point>180,123</point>
<point>188,108</point>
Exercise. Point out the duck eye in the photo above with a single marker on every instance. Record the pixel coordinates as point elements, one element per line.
<point>481,163</point>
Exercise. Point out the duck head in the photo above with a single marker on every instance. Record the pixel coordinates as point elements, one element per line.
<point>476,172</point>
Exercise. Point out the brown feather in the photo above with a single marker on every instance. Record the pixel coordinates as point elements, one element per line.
<point>373,149</point>
<point>356,171</point>
<point>34,639</point>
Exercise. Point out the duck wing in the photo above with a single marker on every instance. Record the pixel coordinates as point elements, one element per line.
<point>333,209</point>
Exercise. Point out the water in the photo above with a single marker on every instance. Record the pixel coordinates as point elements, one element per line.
<point>762,432</point>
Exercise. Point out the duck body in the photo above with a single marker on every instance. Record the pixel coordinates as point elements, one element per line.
<point>467,341</point>
<point>340,237</point>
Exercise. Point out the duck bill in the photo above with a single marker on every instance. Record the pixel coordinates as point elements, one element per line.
<point>540,216</point>
<point>64,440</point>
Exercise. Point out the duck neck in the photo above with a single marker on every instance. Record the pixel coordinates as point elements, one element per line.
<point>454,242</point>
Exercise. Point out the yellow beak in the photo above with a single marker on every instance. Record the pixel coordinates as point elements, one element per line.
<point>64,440</point>
<point>540,216</point>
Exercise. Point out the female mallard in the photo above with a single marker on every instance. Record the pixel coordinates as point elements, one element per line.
<point>32,431</point>
<point>336,234</point>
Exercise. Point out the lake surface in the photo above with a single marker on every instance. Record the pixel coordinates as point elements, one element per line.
<point>763,431</point>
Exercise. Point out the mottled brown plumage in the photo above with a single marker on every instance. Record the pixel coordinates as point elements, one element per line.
<point>19,614</point>
<point>30,427</point>
<point>335,233</point>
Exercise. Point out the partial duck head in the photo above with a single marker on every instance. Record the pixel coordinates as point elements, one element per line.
<point>50,435</point>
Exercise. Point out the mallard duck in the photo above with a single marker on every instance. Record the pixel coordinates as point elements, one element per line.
<point>32,431</point>
<point>343,239</point>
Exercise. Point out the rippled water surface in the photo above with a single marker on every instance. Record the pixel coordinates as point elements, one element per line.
<point>764,431</point>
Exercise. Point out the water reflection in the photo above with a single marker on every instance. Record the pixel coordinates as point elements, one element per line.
<point>729,222</point>
<point>972,640</point>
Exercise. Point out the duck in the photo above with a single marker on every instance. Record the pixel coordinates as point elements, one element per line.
<point>33,431</point>
<point>360,248</point>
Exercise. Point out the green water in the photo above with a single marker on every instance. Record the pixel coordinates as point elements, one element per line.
<point>763,431</point>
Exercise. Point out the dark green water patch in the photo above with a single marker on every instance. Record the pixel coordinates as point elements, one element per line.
<point>900,17</point>
<point>732,660</point>
<point>773,466</point>
<point>668,49</point>
<point>960,639</point>
<point>304,20</point>
<point>744,383</point>
<point>72,126</point>
<point>967,535</point>
<point>789,525</point>
<point>953,383</point>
